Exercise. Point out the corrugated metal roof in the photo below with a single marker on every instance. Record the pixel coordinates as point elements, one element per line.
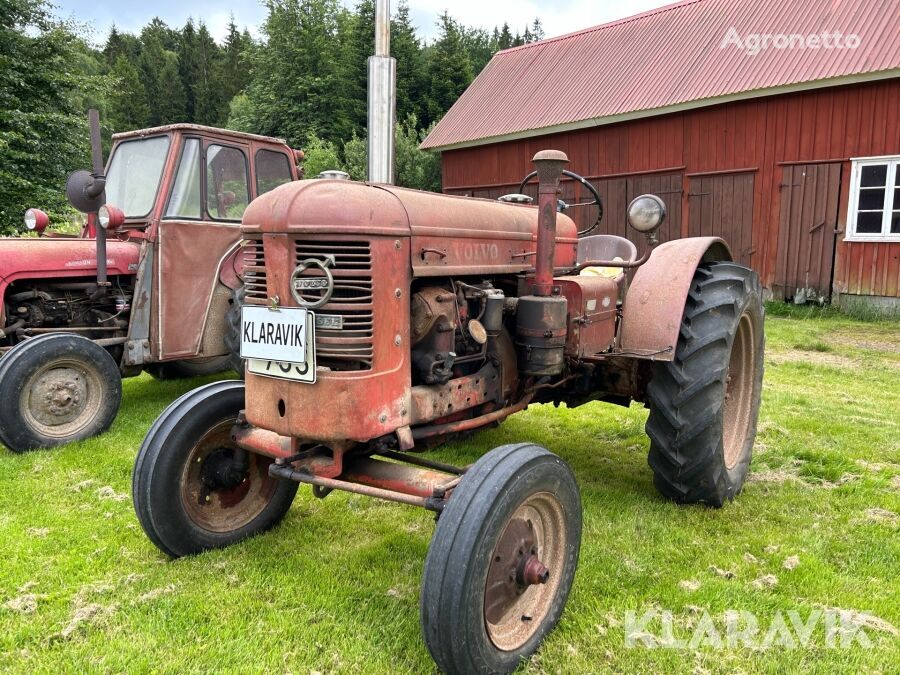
<point>668,59</point>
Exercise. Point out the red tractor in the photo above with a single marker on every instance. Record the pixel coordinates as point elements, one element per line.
<point>379,322</point>
<point>146,286</point>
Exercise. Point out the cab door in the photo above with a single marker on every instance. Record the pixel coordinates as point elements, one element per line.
<point>198,229</point>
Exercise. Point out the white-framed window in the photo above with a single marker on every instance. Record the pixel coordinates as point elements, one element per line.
<point>874,213</point>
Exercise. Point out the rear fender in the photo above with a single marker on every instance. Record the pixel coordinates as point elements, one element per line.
<point>654,304</point>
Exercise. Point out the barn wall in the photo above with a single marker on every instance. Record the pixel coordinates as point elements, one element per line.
<point>757,137</point>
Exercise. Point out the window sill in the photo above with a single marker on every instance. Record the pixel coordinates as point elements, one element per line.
<point>872,238</point>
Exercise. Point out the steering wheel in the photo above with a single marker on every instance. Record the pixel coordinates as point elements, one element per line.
<point>598,201</point>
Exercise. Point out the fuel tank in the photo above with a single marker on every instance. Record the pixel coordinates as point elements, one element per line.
<point>449,235</point>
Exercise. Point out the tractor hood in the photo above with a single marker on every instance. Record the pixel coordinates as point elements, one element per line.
<point>449,234</point>
<point>49,258</point>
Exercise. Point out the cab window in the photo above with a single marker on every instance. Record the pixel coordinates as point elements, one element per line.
<point>227,189</point>
<point>185,201</point>
<point>272,169</point>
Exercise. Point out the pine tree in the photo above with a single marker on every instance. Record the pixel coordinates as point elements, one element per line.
<point>127,105</point>
<point>506,39</point>
<point>537,30</point>
<point>359,45</point>
<point>207,94</point>
<point>449,68</point>
<point>406,48</point>
<point>234,70</point>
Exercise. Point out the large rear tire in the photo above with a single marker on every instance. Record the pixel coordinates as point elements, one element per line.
<point>193,488</point>
<point>704,404</point>
<point>56,389</point>
<point>502,561</point>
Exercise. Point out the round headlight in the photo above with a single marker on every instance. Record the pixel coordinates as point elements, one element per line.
<point>36,220</point>
<point>646,213</point>
<point>109,217</point>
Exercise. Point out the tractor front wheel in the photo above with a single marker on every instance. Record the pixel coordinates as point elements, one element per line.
<point>55,389</point>
<point>704,404</point>
<point>502,561</point>
<point>193,488</point>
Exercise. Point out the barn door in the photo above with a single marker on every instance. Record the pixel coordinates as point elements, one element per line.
<point>807,231</point>
<point>721,205</point>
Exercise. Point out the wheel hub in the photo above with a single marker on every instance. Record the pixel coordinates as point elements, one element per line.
<point>58,396</point>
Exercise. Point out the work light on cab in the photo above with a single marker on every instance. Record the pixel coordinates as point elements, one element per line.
<point>646,213</point>
<point>36,220</point>
<point>110,217</point>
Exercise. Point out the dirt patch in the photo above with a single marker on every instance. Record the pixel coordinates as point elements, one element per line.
<point>84,615</point>
<point>83,485</point>
<point>765,581</point>
<point>791,562</point>
<point>865,620</point>
<point>106,492</point>
<point>773,476</point>
<point>157,593</point>
<point>718,571</point>
<point>750,558</point>
<point>24,604</point>
<point>895,482</point>
<point>877,515</point>
<point>689,585</point>
<point>38,532</point>
<point>818,358</point>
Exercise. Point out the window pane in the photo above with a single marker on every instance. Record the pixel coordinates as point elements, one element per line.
<point>873,175</point>
<point>272,169</point>
<point>227,193</point>
<point>134,174</point>
<point>185,200</point>
<point>871,199</point>
<point>868,223</point>
<point>895,223</point>
<point>897,194</point>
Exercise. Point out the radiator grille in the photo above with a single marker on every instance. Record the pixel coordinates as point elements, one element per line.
<point>352,346</point>
<point>254,272</point>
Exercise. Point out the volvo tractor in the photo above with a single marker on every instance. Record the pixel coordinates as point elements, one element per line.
<point>379,322</point>
<point>146,285</point>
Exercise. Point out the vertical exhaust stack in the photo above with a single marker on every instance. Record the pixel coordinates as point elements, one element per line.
<point>541,323</point>
<point>381,99</point>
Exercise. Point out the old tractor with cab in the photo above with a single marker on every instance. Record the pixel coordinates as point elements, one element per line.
<point>379,322</point>
<point>147,285</point>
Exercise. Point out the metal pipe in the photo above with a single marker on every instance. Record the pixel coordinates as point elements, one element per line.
<point>287,473</point>
<point>549,165</point>
<point>471,423</point>
<point>381,100</point>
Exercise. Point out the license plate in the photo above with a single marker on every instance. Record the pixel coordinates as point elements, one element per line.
<point>279,343</point>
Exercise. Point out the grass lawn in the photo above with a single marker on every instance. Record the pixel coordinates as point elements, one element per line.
<point>335,587</point>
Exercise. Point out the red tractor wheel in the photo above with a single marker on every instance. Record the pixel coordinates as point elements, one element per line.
<point>55,389</point>
<point>704,404</point>
<point>193,488</point>
<point>502,560</point>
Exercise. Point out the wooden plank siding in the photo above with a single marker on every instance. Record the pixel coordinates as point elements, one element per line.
<point>757,137</point>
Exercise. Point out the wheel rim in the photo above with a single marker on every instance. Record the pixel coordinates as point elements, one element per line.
<point>739,384</point>
<point>525,571</point>
<point>224,506</point>
<point>62,398</point>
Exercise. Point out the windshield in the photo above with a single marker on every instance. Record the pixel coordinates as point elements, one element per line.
<point>134,174</point>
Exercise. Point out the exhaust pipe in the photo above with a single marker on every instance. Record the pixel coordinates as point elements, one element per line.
<point>381,99</point>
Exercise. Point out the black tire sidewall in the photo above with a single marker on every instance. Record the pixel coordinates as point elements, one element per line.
<point>158,473</point>
<point>459,558</point>
<point>20,364</point>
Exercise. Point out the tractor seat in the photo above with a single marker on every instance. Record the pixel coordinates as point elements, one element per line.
<point>606,247</point>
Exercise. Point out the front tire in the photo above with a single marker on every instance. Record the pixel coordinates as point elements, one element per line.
<point>193,488</point>
<point>56,389</point>
<point>502,560</point>
<point>704,404</point>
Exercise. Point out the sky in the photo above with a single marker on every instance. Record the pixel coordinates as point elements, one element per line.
<point>558,16</point>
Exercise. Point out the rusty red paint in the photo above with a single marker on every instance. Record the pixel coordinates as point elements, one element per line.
<point>654,304</point>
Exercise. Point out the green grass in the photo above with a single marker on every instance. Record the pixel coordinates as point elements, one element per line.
<point>335,587</point>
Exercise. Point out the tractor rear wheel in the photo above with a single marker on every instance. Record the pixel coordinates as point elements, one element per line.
<point>193,488</point>
<point>179,370</point>
<point>55,389</point>
<point>502,561</point>
<point>704,404</point>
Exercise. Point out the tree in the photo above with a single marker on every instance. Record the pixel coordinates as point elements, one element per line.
<point>127,105</point>
<point>450,71</point>
<point>234,73</point>
<point>537,30</point>
<point>359,45</point>
<point>407,49</point>
<point>43,135</point>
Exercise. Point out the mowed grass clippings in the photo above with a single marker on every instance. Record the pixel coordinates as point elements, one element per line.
<point>335,587</point>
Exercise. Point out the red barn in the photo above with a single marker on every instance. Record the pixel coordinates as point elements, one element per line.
<point>773,124</point>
